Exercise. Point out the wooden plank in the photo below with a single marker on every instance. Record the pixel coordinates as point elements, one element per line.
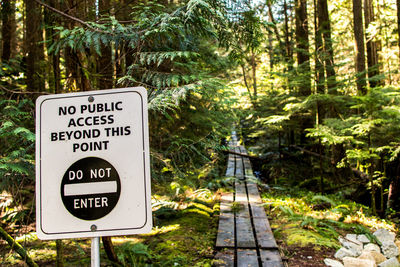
<point>258,211</point>
<point>243,211</point>
<point>270,258</point>
<point>244,233</point>
<point>240,192</point>
<point>226,231</point>
<point>254,195</point>
<point>230,169</point>
<point>227,197</point>
<point>247,258</point>
<point>241,199</point>
<point>248,171</point>
<point>265,237</point>
<point>225,258</point>
<point>239,166</point>
<point>242,150</point>
<point>226,202</point>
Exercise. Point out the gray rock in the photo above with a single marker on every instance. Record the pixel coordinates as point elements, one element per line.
<point>333,263</point>
<point>372,247</point>
<point>392,262</point>
<point>355,247</point>
<point>354,262</point>
<point>352,238</point>
<point>384,235</point>
<point>389,249</point>
<point>363,239</point>
<point>344,252</point>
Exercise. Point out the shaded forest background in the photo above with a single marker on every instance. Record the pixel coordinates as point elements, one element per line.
<point>316,77</point>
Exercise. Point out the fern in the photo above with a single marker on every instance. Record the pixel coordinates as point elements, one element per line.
<point>17,141</point>
<point>323,199</point>
<point>133,254</point>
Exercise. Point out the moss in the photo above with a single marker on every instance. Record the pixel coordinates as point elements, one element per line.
<point>192,242</point>
<point>303,237</point>
<point>236,207</point>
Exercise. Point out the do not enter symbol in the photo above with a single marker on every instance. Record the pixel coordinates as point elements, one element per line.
<point>90,188</point>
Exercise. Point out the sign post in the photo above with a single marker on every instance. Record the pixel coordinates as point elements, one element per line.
<point>92,165</point>
<point>95,252</point>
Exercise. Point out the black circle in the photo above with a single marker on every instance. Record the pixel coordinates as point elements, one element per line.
<point>90,205</point>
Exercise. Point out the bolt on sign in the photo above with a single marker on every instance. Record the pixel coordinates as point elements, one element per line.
<point>92,164</point>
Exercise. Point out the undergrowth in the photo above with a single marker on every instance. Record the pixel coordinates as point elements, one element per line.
<point>303,218</point>
<point>184,227</point>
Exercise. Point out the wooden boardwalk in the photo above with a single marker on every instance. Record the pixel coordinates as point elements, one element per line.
<point>244,234</point>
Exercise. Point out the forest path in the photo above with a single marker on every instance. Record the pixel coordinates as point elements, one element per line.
<point>244,236</point>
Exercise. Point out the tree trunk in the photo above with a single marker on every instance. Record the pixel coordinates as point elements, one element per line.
<point>303,61</point>
<point>53,69</point>
<point>372,53</point>
<point>60,253</point>
<point>254,73</point>
<point>288,45</point>
<point>7,29</point>
<point>394,189</point>
<point>77,78</point>
<point>302,44</point>
<point>359,45</point>
<point>319,67</point>
<point>398,23</point>
<point>278,38</point>
<point>17,248</point>
<point>325,28</point>
<point>34,46</point>
<point>109,249</point>
<point>105,66</point>
<point>270,48</point>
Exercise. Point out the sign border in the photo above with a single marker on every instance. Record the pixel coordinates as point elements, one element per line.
<point>145,148</point>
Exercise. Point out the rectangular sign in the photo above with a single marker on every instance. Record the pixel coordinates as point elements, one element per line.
<point>92,164</point>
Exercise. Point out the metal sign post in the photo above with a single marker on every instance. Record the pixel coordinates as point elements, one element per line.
<point>95,252</point>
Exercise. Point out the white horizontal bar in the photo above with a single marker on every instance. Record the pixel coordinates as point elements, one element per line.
<point>90,188</point>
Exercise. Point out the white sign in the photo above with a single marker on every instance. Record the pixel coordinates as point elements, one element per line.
<point>92,164</point>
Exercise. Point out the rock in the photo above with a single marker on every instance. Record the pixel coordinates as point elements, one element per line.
<point>372,247</point>
<point>384,235</point>
<point>333,263</point>
<point>363,239</point>
<point>355,247</point>
<point>354,262</point>
<point>397,242</point>
<point>350,238</point>
<point>344,252</point>
<point>372,255</point>
<point>389,249</point>
<point>378,257</point>
<point>366,255</point>
<point>392,262</point>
